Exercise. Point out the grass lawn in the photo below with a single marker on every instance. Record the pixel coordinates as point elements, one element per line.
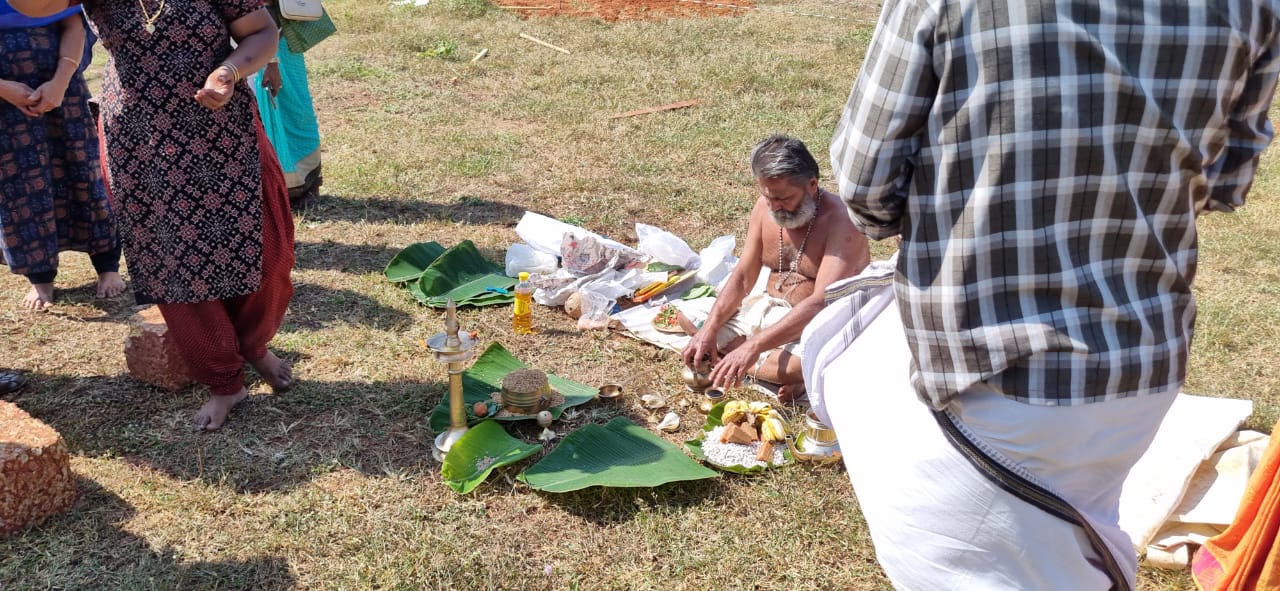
<point>332,485</point>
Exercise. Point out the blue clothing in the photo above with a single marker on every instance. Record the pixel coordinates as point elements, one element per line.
<point>12,19</point>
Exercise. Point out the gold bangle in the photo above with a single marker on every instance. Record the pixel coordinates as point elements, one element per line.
<point>235,72</point>
<point>74,63</point>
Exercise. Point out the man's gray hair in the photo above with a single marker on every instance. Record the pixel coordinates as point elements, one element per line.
<point>780,156</point>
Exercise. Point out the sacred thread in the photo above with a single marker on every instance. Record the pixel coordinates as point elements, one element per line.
<point>522,313</point>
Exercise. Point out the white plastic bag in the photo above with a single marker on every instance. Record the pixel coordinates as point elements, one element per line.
<point>596,308</point>
<point>544,233</point>
<point>522,257</point>
<point>666,247</point>
<point>717,261</point>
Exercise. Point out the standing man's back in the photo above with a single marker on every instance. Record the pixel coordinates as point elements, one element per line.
<point>1044,163</point>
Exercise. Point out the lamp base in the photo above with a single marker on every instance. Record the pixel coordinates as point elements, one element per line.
<point>444,442</point>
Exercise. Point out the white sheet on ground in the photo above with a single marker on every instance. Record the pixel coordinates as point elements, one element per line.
<point>638,320</point>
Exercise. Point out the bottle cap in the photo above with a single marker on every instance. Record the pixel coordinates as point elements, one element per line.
<point>524,275</point>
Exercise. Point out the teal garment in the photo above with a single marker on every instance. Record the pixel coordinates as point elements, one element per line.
<point>291,122</point>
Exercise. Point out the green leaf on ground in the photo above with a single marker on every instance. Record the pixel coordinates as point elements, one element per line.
<point>621,454</point>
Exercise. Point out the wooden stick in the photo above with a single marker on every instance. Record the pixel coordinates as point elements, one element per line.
<point>483,52</point>
<point>646,111</point>
<point>543,43</point>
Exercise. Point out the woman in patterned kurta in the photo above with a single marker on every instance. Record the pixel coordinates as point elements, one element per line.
<point>51,193</point>
<point>203,208</point>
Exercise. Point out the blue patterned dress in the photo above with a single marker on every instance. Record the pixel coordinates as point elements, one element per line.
<point>51,191</point>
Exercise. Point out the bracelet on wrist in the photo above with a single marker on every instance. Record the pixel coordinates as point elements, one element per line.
<point>235,72</point>
<point>74,63</point>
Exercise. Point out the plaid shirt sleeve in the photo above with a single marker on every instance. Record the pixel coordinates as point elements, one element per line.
<point>1250,132</point>
<point>879,136</point>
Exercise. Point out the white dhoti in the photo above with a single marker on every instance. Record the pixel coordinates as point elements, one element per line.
<point>936,521</point>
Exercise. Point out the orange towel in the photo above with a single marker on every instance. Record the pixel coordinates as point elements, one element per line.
<point>1244,557</point>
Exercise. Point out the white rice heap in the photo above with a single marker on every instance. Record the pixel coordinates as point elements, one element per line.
<point>737,454</point>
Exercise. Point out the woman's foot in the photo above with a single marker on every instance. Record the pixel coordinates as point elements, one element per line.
<point>275,371</point>
<point>214,413</point>
<point>110,284</point>
<point>40,298</point>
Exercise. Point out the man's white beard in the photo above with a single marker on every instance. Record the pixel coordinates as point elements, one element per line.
<point>794,219</point>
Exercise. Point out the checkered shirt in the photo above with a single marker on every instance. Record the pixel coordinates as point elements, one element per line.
<point>1044,163</point>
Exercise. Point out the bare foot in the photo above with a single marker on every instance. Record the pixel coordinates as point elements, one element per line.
<point>110,284</point>
<point>213,414</point>
<point>789,393</point>
<point>275,371</point>
<point>40,298</point>
<point>687,325</point>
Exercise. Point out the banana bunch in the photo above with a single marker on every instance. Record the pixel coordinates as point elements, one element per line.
<point>734,411</point>
<point>773,429</point>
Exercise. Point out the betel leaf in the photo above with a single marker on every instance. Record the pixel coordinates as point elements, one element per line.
<point>408,264</point>
<point>621,454</point>
<point>715,418</point>
<point>482,449</point>
<point>484,377</point>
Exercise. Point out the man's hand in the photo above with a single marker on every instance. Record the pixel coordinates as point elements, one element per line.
<point>218,88</point>
<point>48,97</point>
<point>731,369</point>
<point>701,351</point>
<point>271,79</point>
<point>18,95</point>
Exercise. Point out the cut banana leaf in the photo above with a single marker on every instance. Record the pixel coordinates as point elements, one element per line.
<point>482,449</point>
<point>408,264</point>
<point>484,377</point>
<point>475,292</point>
<point>621,454</point>
<point>715,418</point>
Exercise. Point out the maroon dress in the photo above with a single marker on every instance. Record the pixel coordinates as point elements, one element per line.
<point>186,181</point>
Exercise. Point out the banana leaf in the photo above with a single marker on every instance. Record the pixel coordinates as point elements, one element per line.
<point>480,451</point>
<point>715,418</point>
<point>621,454</point>
<point>484,377</point>
<point>472,293</point>
<point>408,264</point>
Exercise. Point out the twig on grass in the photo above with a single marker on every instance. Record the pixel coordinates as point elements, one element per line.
<point>543,43</point>
<point>647,110</point>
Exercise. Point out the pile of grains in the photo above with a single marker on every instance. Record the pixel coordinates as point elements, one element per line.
<point>151,355</point>
<point>35,471</point>
<point>737,454</point>
<point>483,463</point>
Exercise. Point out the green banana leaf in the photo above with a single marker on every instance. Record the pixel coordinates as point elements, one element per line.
<point>474,292</point>
<point>408,264</point>
<point>484,377</point>
<point>482,449</point>
<point>435,275</point>
<point>621,454</point>
<point>715,418</point>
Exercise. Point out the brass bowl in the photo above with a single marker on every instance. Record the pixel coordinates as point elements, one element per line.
<point>695,381</point>
<point>610,391</point>
<point>816,432</point>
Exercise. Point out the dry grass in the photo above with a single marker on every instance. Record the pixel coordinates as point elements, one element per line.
<point>332,486</point>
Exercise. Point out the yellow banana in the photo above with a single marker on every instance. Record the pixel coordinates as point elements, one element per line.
<point>734,411</point>
<point>760,408</point>
<point>773,429</point>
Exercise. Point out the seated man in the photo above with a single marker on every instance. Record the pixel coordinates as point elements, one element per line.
<point>816,243</point>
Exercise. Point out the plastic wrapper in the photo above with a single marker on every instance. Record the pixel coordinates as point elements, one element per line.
<point>664,246</point>
<point>525,258</point>
<point>596,308</point>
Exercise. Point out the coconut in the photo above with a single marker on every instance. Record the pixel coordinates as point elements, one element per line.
<point>573,306</point>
